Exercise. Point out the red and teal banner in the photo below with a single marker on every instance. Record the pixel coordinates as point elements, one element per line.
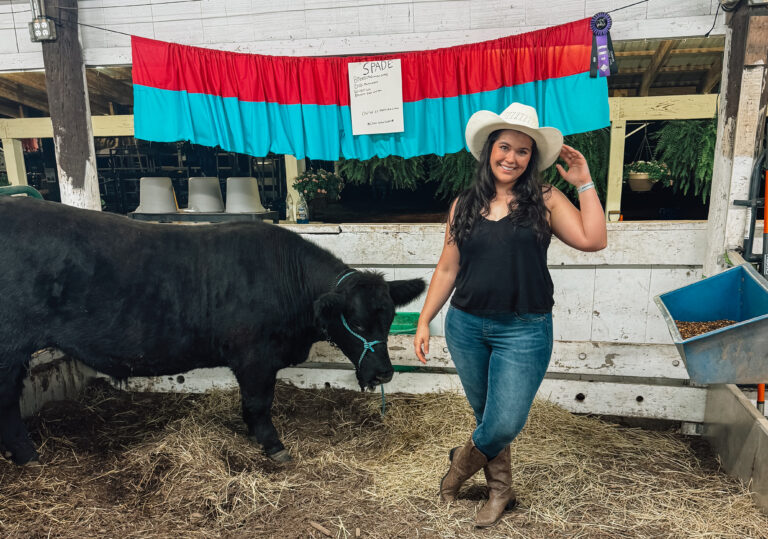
<point>256,104</point>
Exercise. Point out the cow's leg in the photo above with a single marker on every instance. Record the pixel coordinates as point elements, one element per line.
<point>258,392</point>
<point>13,432</point>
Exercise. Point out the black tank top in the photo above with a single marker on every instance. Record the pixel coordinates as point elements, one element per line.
<point>503,269</point>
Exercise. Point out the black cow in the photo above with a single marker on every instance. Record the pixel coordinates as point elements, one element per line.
<point>139,299</point>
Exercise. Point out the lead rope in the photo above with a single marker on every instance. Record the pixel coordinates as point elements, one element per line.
<point>367,345</point>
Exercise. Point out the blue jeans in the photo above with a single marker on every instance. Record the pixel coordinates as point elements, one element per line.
<point>501,361</point>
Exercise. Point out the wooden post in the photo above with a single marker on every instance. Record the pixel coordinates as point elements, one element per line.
<point>293,167</point>
<point>750,124</point>
<point>70,110</point>
<point>615,169</point>
<point>741,117</point>
<point>14,161</point>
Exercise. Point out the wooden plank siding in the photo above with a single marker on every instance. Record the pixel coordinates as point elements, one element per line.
<point>319,28</point>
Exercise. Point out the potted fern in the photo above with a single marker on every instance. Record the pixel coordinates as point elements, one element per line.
<point>391,172</point>
<point>688,149</point>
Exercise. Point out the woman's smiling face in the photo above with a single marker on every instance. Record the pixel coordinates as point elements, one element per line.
<point>510,156</point>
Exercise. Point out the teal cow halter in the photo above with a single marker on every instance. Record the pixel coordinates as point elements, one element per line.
<point>367,345</point>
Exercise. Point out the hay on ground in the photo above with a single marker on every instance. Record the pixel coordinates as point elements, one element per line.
<point>138,465</point>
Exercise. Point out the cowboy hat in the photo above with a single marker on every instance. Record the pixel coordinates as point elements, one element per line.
<point>520,118</point>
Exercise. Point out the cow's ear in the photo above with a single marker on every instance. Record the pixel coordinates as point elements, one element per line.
<point>328,306</point>
<point>405,291</point>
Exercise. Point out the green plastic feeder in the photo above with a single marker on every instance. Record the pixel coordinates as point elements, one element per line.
<point>404,324</point>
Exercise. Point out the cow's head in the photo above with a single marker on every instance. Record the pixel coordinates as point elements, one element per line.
<point>356,315</point>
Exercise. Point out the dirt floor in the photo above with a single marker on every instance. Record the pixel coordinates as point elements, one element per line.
<point>148,465</point>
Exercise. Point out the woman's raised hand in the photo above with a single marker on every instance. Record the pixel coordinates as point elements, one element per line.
<point>578,169</point>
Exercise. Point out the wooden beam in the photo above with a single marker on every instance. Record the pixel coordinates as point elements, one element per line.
<point>615,169</point>
<point>711,78</point>
<point>666,69</point>
<point>678,107</point>
<point>672,90</point>
<point>8,108</point>
<point>24,95</point>
<point>103,126</point>
<point>14,161</point>
<point>31,79</point>
<point>70,111</point>
<point>658,60</point>
<point>113,90</point>
<point>703,50</point>
<point>29,89</point>
<point>117,73</point>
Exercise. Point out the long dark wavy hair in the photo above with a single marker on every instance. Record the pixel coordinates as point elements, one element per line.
<point>526,209</point>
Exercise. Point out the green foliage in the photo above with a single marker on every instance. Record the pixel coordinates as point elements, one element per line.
<point>3,179</point>
<point>400,173</point>
<point>318,183</point>
<point>454,172</point>
<point>595,146</point>
<point>688,149</point>
<point>656,170</point>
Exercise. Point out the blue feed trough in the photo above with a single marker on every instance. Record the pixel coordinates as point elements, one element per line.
<point>736,354</point>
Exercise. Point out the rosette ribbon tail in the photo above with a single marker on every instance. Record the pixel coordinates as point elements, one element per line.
<point>603,60</point>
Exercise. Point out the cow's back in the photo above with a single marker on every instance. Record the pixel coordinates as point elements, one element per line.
<point>135,295</point>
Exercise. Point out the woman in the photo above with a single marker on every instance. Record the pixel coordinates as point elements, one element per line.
<point>499,325</point>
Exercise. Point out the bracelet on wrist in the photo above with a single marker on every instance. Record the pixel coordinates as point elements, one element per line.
<point>585,187</point>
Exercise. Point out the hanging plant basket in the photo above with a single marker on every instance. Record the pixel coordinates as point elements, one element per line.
<point>639,182</point>
<point>642,175</point>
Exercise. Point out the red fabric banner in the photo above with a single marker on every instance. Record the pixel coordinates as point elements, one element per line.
<point>554,52</point>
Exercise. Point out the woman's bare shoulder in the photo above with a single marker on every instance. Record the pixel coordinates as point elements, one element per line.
<point>550,193</point>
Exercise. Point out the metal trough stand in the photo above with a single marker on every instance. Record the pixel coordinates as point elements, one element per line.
<point>737,354</point>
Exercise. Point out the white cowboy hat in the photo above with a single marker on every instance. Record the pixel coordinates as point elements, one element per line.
<point>521,118</point>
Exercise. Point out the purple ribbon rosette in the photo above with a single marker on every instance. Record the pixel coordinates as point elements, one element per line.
<point>603,61</point>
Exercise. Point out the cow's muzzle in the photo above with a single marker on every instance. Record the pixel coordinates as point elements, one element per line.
<point>378,378</point>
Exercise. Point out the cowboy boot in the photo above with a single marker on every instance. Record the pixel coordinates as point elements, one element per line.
<point>465,461</point>
<point>501,496</point>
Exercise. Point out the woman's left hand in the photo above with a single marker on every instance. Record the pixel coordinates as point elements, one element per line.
<point>578,169</point>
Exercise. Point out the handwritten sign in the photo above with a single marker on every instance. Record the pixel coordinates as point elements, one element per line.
<point>376,97</point>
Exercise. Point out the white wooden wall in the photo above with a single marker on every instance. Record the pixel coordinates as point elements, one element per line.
<point>612,355</point>
<point>336,27</point>
<point>605,296</point>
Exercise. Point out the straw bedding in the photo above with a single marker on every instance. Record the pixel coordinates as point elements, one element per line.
<point>148,465</point>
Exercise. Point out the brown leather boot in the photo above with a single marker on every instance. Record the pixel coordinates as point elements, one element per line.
<point>501,496</point>
<point>465,461</point>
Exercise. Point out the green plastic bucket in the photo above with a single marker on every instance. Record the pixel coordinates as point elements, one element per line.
<point>404,324</point>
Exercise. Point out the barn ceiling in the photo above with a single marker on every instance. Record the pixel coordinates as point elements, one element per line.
<point>646,67</point>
